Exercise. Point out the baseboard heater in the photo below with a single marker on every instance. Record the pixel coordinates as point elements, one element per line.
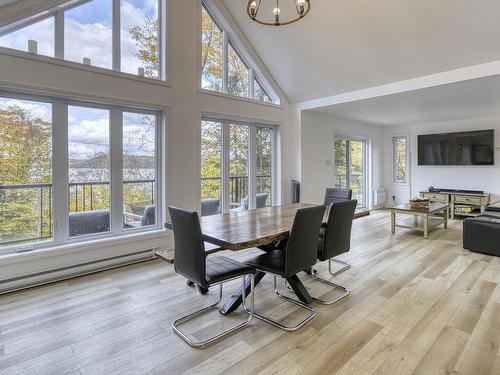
<point>69,272</point>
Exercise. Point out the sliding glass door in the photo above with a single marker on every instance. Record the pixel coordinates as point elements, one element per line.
<point>236,166</point>
<point>350,167</point>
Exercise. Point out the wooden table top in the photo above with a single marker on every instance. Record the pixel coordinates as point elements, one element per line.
<point>245,229</point>
<point>433,207</point>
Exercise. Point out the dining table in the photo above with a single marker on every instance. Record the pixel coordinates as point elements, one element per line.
<point>245,229</point>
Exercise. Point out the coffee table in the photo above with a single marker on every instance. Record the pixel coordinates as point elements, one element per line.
<point>429,218</point>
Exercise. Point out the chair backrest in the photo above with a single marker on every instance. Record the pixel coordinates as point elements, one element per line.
<point>336,239</point>
<point>189,248</point>
<point>295,191</point>
<point>149,216</point>
<point>302,247</point>
<point>261,200</point>
<point>333,195</point>
<point>88,222</point>
<point>210,207</point>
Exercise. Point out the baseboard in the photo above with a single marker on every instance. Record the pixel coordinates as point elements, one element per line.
<point>69,272</point>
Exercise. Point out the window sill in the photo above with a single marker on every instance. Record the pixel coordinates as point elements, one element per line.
<point>87,68</point>
<point>239,98</point>
<point>82,246</point>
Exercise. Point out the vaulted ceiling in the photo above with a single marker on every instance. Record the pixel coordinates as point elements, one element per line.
<point>345,45</point>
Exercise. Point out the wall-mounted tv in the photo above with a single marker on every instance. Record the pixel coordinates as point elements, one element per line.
<point>462,148</point>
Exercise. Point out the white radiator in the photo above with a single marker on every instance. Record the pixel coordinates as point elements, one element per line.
<point>379,197</point>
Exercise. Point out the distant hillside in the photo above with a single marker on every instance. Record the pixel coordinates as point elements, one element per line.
<point>102,161</point>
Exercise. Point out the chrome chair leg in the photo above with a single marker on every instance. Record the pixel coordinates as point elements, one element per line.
<point>343,269</point>
<point>332,284</point>
<point>184,319</point>
<point>296,302</point>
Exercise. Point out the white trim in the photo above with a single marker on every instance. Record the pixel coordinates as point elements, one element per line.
<point>226,171</point>
<point>252,166</point>
<point>116,35</point>
<point>77,65</point>
<point>164,44</point>
<point>79,247</point>
<point>59,35</point>
<point>17,90</point>
<point>116,169</point>
<point>241,98</point>
<point>60,168</point>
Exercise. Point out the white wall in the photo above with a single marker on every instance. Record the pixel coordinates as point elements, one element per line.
<point>317,166</point>
<point>485,178</point>
<point>184,105</point>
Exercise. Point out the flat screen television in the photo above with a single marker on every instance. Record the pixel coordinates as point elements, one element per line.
<point>461,148</point>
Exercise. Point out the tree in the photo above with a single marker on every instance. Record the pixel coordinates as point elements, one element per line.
<point>25,158</point>
<point>147,41</point>
<point>211,53</point>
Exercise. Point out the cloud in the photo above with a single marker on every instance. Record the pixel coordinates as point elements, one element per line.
<point>91,40</point>
<point>36,109</point>
<point>42,32</point>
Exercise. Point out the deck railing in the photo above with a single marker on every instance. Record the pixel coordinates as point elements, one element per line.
<point>83,196</point>
<point>238,186</point>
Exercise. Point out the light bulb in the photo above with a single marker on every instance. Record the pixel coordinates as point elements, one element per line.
<point>253,8</point>
<point>300,6</point>
<point>277,11</point>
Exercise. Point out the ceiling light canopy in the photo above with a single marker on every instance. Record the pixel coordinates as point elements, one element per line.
<point>302,7</point>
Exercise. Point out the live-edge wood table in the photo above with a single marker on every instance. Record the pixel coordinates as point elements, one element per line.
<point>253,228</point>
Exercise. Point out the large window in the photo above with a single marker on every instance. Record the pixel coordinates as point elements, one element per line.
<point>236,166</point>
<point>93,172</point>
<point>400,159</point>
<point>88,32</point>
<point>223,69</point>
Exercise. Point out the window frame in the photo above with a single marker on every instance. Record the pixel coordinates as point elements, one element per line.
<point>58,13</point>
<point>252,160</point>
<point>60,179</point>
<point>230,40</point>
<point>407,160</point>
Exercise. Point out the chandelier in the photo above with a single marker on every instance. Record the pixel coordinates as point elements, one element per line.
<point>302,7</point>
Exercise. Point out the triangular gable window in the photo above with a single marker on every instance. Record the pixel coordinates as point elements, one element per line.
<point>224,68</point>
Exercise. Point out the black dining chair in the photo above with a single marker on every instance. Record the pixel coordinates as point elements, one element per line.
<point>300,254</point>
<point>333,195</point>
<point>334,240</point>
<point>192,263</point>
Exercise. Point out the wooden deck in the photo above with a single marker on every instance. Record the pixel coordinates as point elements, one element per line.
<point>417,307</point>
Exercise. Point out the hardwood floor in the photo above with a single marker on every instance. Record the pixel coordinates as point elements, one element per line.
<point>417,307</point>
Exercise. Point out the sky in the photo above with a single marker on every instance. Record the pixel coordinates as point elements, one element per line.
<point>88,33</point>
